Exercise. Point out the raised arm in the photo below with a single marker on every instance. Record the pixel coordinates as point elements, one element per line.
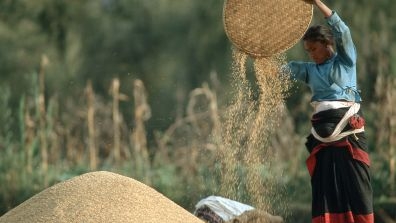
<point>342,35</point>
<point>323,8</point>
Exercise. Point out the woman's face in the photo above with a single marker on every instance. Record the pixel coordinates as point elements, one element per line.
<point>319,52</point>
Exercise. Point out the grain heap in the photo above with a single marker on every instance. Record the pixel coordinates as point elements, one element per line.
<point>99,197</point>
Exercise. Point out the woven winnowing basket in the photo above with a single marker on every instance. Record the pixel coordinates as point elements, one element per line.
<point>262,28</point>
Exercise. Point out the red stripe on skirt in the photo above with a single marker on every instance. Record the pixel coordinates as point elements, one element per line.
<point>347,217</point>
<point>357,154</point>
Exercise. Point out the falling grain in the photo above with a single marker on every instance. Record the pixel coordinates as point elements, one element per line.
<point>245,152</point>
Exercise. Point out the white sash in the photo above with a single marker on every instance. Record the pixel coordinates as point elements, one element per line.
<point>337,134</point>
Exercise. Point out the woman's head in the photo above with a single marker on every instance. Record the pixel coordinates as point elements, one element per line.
<point>319,33</point>
<point>318,42</point>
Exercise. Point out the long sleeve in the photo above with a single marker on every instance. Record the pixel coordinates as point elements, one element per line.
<point>298,70</point>
<point>343,40</point>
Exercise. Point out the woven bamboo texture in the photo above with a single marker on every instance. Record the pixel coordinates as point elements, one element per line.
<point>262,28</point>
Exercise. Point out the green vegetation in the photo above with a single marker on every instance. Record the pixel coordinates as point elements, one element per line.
<point>62,114</point>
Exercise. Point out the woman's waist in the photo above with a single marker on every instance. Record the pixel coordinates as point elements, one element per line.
<point>320,106</point>
<point>338,118</point>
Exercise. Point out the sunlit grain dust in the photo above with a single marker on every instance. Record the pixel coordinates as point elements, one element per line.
<point>245,153</point>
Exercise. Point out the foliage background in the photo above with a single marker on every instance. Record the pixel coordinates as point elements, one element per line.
<point>176,48</point>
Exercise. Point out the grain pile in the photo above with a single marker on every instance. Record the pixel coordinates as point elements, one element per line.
<point>99,197</point>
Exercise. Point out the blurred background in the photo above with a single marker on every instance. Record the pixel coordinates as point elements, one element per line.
<point>133,86</point>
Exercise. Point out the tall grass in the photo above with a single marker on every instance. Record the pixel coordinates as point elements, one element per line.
<point>90,134</point>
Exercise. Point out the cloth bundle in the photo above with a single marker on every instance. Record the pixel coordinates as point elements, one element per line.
<point>215,209</point>
<point>223,208</point>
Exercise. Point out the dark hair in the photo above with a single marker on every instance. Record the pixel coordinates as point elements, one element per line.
<point>319,33</point>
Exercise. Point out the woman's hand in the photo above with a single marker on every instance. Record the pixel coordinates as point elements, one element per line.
<point>321,6</point>
<point>327,12</point>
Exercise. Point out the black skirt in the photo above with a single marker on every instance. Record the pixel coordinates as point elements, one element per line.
<point>340,174</point>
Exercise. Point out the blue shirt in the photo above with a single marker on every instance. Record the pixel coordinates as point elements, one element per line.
<point>335,79</point>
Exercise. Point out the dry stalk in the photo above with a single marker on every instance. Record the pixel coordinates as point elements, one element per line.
<point>213,109</point>
<point>188,142</point>
<point>29,139</point>
<point>195,118</point>
<point>52,131</point>
<point>168,135</point>
<point>115,87</point>
<point>91,126</point>
<point>142,114</point>
<point>117,118</point>
<point>42,114</point>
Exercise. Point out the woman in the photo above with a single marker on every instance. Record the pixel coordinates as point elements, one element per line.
<point>338,161</point>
